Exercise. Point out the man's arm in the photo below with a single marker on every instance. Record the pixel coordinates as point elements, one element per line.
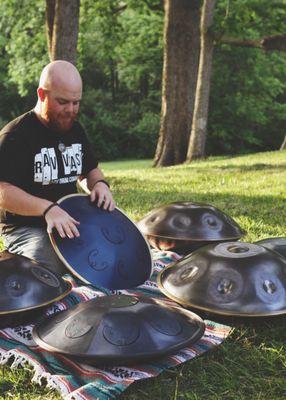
<point>99,191</point>
<point>17,201</point>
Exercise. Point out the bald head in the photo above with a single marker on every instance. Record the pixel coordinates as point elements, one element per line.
<point>59,95</point>
<point>60,74</point>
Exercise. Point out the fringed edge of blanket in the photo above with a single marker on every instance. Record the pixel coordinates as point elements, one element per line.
<point>39,373</point>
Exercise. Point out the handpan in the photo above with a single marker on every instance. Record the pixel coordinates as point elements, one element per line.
<point>110,252</point>
<point>26,286</point>
<point>231,278</point>
<point>119,329</point>
<point>277,244</point>
<point>187,226</point>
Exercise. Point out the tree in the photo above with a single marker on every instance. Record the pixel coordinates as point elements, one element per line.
<point>247,13</point>
<point>180,66</point>
<point>62,18</point>
<point>196,147</point>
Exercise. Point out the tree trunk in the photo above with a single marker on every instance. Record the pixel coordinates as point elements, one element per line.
<point>62,18</point>
<point>283,145</point>
<point>50,16</point>
<point>199,126</point>
<point>181,57</point>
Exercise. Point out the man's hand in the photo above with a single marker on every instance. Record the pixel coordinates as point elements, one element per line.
<point>102,196</point>
<point>58,218</point>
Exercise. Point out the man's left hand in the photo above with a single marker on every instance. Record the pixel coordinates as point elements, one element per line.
<point>102,195</point>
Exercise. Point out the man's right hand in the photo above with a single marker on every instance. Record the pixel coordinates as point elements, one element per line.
<point>66,226</point>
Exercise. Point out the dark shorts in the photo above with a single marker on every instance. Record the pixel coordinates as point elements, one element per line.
<point>34,243</point>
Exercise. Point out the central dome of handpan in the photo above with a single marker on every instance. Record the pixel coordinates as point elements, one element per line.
<point>231,278</point>
<point>110,252</point>
<point>119,329</point>
<point>187,226</point>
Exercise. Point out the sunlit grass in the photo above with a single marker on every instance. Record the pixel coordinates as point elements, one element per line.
<point>251,363</point>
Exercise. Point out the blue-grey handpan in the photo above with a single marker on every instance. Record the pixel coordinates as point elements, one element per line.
<point>185,226</point>
<point>119,329</point>
<point>25,287</point>
<point>110,252</point>
<point>231,278</point>
<point>277,244</point>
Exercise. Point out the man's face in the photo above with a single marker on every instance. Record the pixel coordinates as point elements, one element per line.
<point>60,108</point>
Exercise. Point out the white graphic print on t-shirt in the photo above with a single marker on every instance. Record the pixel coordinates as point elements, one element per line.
<point>46,168</point>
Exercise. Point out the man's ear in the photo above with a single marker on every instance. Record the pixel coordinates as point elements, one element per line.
<point>41,93</point>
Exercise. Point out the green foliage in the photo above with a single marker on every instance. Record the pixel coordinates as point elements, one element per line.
<point>24,41</point>
<point>250,18</point>
<point>118,130</point>
<point>120,53</point>
<point>141,55</point>
<point>253,103</point>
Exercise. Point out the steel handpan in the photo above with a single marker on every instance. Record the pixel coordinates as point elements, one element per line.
<point>111,252</point>
<point>187,226</point>
<point>277,244</point>
<point>119,329</point>
<point>26,286</point>
<point>231,278</point>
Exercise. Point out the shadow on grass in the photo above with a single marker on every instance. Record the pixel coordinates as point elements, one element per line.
<point>250,168</point>
<point>142,199</point>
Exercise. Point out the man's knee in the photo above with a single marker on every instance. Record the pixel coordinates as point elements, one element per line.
<point>34,243</point>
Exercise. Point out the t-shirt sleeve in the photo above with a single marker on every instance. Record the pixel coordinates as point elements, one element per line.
<point>12,159</point>
<point>89,160</point>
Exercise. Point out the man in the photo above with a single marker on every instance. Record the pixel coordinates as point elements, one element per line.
<point>42,155</point>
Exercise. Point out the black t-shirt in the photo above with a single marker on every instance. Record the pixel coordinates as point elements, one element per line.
<point>42,162</point>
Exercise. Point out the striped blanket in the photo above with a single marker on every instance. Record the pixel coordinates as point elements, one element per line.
<point>84,382</point>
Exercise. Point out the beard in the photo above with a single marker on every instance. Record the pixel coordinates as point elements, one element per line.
<point>60,122</point>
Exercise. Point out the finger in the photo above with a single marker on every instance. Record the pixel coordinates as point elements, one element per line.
<point>106,204</point>
<point>75,221</point>
<point>68,231</point>
<point>74,230</point>
<point>49,228</point>
<point>60,231</point>
<point>112,205</point>
<point>100,200</point>
<point>92,196</point>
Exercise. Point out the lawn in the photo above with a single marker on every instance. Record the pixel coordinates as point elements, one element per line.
<point>251,363</point>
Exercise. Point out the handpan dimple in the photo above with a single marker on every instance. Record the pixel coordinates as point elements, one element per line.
<point>114,234</point>
<point>189,273</point>
<point>121,330</point>
<point>181,222</point>
<point>225,286</point>
<point>212,222</point>
<point>164,322</point>
<point>269,288</point>
<point>15,286</point>
<point>77,327</point>
<point>96,262</point>
<point>45,276</point>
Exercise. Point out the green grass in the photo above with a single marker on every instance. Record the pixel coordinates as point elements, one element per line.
<point>251,363</point>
